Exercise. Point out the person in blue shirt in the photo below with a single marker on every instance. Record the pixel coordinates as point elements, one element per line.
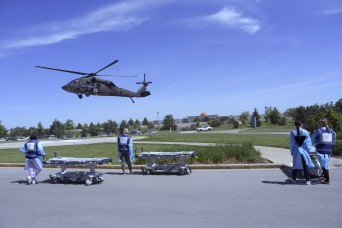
<point>300,145</point>
<point>33,151</point>
<point>324,139</point>
<point>125,148</point>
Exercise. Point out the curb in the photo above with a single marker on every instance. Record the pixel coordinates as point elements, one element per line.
<point>193,166</point>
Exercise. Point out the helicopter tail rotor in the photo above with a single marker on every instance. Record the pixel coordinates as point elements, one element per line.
<point>145,83</point>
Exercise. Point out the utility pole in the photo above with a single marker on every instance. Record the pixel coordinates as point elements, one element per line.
<point>158,119</point>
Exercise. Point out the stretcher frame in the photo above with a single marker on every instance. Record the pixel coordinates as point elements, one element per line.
<point>88,177</point>
<point>153,167</point>
<point>315,172</point>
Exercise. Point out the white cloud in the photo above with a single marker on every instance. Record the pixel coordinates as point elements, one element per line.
<point>333,11</point>
<point>231,18</point>
<point>109,18</point>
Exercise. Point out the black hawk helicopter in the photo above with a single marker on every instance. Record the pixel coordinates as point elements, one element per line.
<point>91,85</point>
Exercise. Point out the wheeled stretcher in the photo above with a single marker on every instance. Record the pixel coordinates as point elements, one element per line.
<point>88,177</point>
<point>153,167</point>
<point>317,170</point>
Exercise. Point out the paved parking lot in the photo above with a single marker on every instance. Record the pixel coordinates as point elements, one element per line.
<point>207,198</point>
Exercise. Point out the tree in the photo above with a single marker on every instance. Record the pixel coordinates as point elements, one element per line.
<point>57,128</point>
<point>109,126</point>
<point>235,123</point>
<point>335,119</point>
<point>215,122</point>
<point>40,129</point>
<point>84,132</point>
<point>274,116</point>
<point>338,106</point>
<point>168,122</point>
<point>136,123</point>
<point>224,120</point>
<point>123,125</point>
<point>257,117</point>
<point>150,125</point>
<point>145,121</point>
<point>244,117</point>
<point>130,122</point>
<point>3,130</point>
<point>282,121</point>
<point>93,129</point>
<point>19,131</point>
<point>69,125</point>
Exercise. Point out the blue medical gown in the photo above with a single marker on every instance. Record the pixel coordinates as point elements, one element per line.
<point>324,159</point>
<point>38,159</point>
<point>131,154</point>
<point>297,151</point>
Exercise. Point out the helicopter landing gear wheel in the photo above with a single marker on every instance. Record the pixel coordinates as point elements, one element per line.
<point>80,96</point>
<point>87,94</point>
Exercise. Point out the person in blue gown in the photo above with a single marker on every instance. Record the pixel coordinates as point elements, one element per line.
<point>125,148</point>
<point>300,145</point>
<point>324,139</point>
<point>33,151</point>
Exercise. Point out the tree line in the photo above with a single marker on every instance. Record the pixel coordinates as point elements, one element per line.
<point>70,129</point>
<point>309,115</point>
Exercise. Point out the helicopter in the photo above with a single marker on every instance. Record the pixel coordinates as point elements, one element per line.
<point>89,84</point>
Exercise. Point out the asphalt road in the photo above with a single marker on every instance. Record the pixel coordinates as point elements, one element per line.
<point>207,198</point>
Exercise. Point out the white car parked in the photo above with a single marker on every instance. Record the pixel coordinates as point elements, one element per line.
<point>204,128</point>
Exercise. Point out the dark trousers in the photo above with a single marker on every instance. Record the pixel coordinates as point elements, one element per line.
<point>125,158</point>
<point>306,171</point>
<point>326,174</point>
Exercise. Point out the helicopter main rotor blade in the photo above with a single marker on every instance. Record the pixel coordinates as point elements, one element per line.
<point>114,75</point>
<point>115,61</point>
<point>68,71</point>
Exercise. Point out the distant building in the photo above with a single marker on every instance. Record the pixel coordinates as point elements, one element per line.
<point>200,117</point>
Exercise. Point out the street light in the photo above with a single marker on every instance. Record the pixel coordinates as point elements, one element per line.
<point>158,119</point>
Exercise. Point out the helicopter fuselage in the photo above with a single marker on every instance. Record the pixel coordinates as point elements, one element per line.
<point>100,87</point>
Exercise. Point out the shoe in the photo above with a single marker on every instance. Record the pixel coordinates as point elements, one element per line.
<point>29,180</point>
<point>308,183</point>
<point>324,182</point>
<point>33,182</point>
<point>124,173</point>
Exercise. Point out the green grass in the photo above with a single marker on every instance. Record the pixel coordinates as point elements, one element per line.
<point>206,154</point>
<point>271,128</point>
<point>272,140</point>
<point>87,151</point>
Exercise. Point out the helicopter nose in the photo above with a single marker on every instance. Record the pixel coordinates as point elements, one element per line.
<point>65,87</point>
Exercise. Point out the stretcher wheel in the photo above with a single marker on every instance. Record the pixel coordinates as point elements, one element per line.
<point>182,171</point>
<point>53,179</point>
<point>88,182</point>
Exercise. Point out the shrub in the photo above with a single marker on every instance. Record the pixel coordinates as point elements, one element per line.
<point>239,153</point>
<point>337,151</point>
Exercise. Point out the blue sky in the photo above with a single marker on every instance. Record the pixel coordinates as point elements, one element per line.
<point>223,57</point>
